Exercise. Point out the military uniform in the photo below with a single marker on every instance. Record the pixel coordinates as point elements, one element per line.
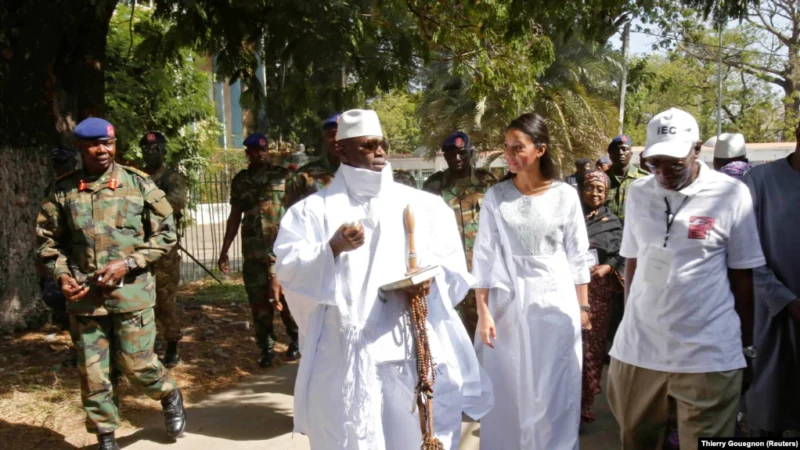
<point>260,194</point>
<point>465,196</point>
<point>404,177</point>
<point>168,267</point>
<point>617,192</point>
<point>85,223</point>
<point>310,178</point>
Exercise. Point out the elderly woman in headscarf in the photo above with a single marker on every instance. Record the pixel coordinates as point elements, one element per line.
<point>605,237</point>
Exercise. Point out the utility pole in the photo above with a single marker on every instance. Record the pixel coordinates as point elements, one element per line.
<point>719,82</point>
<point>623,85</point>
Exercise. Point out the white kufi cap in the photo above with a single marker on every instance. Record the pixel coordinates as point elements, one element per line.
<point>671,133</point>
<point>357,123</point>
<point>730,145</point>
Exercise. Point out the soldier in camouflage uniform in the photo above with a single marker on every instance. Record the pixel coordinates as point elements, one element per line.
<point>168,267</point>
<point>63,160</point>
<point>100,230</point>
<point>317,174</point>
<point>258,204</point>
<point>404,177</point>
<point>462,187</point>
<point>622,173</point>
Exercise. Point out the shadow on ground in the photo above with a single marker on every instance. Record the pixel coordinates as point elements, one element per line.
<point>241,414</point>
<point>32,437</point>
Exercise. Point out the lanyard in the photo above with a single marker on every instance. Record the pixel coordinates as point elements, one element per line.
<point>670,216</point>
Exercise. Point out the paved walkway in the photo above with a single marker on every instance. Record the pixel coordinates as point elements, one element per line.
<point>258,415</point>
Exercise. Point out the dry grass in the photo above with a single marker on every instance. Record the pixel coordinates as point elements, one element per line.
<point>40,398</point>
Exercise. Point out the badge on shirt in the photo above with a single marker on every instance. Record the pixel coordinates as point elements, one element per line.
<point>700,227</point>
<point>658,266</point>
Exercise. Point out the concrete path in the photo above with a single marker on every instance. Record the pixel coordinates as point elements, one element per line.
<point>258,415</point>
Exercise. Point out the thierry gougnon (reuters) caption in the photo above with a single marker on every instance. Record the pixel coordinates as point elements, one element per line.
<point>748,443</point>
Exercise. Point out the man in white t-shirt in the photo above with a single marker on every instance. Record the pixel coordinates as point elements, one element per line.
<point>690,241</point>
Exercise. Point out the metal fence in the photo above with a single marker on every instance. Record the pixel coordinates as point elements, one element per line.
<point>203,229</point>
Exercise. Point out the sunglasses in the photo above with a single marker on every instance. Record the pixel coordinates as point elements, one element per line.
<point>373,145</point>
<point>665,164</point>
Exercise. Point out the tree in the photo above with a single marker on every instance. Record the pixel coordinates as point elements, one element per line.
<point>680,80</point>
<point>171,98</point>
<point>767,48</point>
<point>573,91</point>
<point>52,76</point>
<point>401,126</point>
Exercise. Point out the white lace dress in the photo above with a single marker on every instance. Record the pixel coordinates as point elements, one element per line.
<point>531,252</point>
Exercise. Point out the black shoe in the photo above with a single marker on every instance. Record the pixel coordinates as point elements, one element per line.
<point>267,355</point>
<point>171,358</point>
<point>107,441</point>
<point>293,352</point>
<point>174,414</point>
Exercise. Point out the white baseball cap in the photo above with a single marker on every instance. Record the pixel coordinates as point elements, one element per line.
<point>357,123</point>
<point>671,133</point>
<point>730,145</point>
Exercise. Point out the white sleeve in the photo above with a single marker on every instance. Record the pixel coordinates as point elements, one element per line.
<point>744,243</point>
<point>576,241</point>
<point>488,264</point>
<point>305,265</point>
<point>629,247</point>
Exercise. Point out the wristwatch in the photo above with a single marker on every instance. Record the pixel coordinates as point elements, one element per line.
<point>749,352</point>
<point>130,263</point>
<point>586,308</point>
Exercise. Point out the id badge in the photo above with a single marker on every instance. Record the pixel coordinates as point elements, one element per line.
<point>658,266</point>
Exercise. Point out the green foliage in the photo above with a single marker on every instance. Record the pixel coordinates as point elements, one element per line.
<point>573,91</point>
<point>763,46</point>
<point>171,98</point>
<point>678,79</point>
<point>577,98</point>
<point>398,113</point>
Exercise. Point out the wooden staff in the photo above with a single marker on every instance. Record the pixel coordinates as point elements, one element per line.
<point>425,368</point>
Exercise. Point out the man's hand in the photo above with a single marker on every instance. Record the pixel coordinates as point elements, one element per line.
<point>600,271</point>
<point>794,309</point>
<point>347,239</point>
<point>71,289</point>
<point>275,293</point>
<point>222,263</point>
<point>111,274</point>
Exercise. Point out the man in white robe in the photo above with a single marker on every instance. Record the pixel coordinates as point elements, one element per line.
<point>356,382</point>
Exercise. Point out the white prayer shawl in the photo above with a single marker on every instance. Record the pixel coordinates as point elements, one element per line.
<point>321,290</point>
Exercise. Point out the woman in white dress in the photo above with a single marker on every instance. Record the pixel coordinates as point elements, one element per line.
<point>531,260</point>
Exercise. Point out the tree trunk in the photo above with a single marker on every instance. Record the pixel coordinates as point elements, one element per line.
<point>51,76</point>
<point>24,174</point>
<point>791,99</point>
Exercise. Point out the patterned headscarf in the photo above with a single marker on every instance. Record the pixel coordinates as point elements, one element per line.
<point>596,175</point>
<point>736,169</point>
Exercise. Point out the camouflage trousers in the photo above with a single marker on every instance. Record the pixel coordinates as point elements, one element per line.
<point>257,285</point>
<point>112,345</point>
<point>468,311</point>
<point>168,275</point>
